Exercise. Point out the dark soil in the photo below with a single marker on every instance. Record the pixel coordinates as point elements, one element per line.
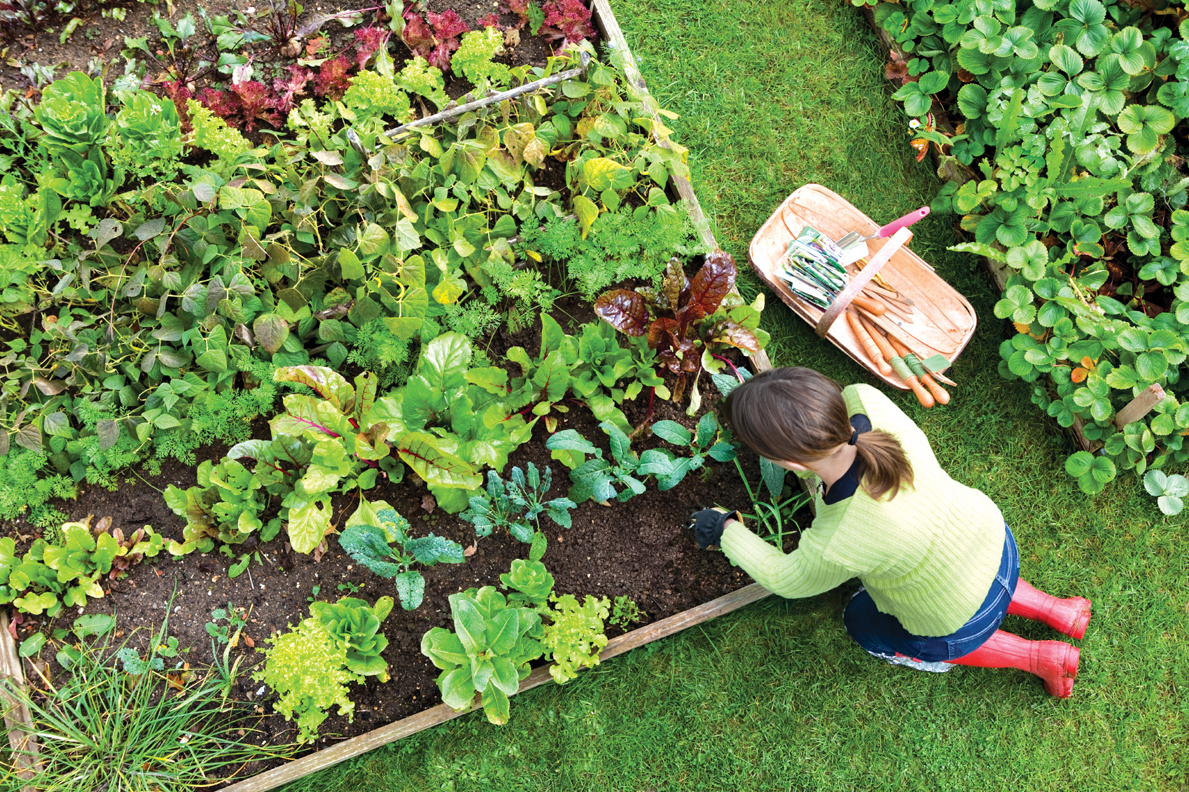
<point>641,549</point>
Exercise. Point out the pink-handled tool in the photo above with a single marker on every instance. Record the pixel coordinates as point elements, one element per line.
<point>853,237</point>
<point>854,247</point>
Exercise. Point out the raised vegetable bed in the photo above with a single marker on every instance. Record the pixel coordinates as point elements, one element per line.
<point>638,550</point>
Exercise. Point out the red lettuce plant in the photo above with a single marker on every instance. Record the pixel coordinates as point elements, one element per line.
<point>434,37</point>
<point>567,20</point>
<point>243,105</point>
<point>288,90</point>
<point>686,318</point>
<point>332,80</point>
<point>368,42</point>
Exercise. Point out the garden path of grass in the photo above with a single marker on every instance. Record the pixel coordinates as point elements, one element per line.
<point>774,94</point>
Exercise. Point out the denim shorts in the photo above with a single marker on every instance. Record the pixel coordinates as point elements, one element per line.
<point>882,633</point>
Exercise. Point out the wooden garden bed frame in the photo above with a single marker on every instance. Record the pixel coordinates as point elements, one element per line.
<point>17,719</point>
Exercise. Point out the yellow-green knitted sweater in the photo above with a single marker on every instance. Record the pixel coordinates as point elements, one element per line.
<point>927,557</point>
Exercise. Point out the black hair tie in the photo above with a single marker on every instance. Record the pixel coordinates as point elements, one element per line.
<point>854,437</point>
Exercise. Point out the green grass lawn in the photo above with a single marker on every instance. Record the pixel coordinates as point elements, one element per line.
<point>773,94</point>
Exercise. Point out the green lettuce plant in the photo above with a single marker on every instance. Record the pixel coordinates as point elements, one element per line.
<point>226,505</point>
<point>67,571</point>
<point>355,627</point>
<point>307,669</point>
<point>72,115</point>
<point>310,666</point>
<point>574,634</point>
<point>487,654</point>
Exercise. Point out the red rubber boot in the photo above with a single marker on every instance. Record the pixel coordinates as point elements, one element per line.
<point>1053,661</point>
<point>1069,616</point>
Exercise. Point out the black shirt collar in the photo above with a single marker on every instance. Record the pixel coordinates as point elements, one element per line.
<point>846,486</point>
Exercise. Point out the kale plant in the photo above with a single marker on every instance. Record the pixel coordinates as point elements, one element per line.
<point>670,469</point>
<point>378,538</point>
<point>517,506</point>
<point>596,479</point>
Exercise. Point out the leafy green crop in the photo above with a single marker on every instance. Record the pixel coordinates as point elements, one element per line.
<point>307,669</point>
<point>574,634</point>
<point>64,573</point>
<point>473,59</point>
<point>670,469</point>
<point>487,654</point>
<point>687,319</point>
<point>72,115</point>
<point>378,538</point>
<point>355,628</point>
<point>517,506</point>
<point>596,479</point>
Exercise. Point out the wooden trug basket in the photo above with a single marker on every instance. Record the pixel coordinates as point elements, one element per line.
<point>927,314</point>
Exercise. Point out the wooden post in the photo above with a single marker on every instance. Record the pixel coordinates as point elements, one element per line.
<point>328,757</point>
<point>17,719</point>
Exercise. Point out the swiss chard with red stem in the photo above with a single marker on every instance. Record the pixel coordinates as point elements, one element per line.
<point>687,319</point>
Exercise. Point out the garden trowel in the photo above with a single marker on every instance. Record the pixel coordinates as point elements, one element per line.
<point>854,246</point>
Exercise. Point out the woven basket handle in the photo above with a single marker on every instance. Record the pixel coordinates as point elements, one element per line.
<point>877,262</point>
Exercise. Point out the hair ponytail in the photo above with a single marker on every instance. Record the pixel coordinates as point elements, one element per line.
<point>887,466</point>
<point>798,415</point>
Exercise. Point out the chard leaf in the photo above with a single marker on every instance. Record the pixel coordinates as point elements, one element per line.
<point>712,283</point>
<point>420,452</point>
<point>328,384</point>
<point>444,361</point>
<point>624,310</point>
<point>306,416</point>
<point>308,525</point>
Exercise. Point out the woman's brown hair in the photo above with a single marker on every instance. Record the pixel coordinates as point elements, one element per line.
<point>798,415</point>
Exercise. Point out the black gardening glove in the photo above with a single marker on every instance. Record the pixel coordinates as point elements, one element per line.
<point>708,525</point>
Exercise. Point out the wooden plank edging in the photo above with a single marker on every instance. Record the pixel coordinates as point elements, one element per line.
<point>608,26</point>
<point>328,757</point>
<point>17,720</point>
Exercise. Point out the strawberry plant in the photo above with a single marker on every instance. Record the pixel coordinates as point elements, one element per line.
<point>1065,170</point>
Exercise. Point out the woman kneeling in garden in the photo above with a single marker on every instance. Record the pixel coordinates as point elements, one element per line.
<point>939,567</point>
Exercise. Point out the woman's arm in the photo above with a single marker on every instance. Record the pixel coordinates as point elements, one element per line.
<point>801,573</point>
